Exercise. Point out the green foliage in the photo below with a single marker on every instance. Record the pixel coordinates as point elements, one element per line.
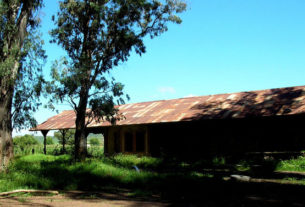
<point>56,149</point>
<point>98,36</point>
<point>49,140</point>
<point>96,151</point>
<point>25,141</point>
<point>29,149</point>
<point>94,141</point>
<point>41,172</point>
<point>219,161</point>
<point>178,181</point>
<point>21,59</point>
<point>65,136</point>
<point>297,164</point>
<point>133,160</point>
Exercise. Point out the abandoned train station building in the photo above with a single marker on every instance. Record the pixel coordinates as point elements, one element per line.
<point>255,121</point>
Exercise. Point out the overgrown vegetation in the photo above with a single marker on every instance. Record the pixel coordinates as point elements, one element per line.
<point>28,144</point>
<point>42,172</point>
<point>297,164</point>
<point>98,36</point>
<point>24,141</point>
<point>50,141</point>
<point>94,141</point>
<point>142,176</point>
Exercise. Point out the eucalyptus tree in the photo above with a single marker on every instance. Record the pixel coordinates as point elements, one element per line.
<point>97,36</point>
<point>21,57</point>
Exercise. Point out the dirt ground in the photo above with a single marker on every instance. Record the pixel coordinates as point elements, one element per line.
<point>273,191</point>
<point>77,199</point>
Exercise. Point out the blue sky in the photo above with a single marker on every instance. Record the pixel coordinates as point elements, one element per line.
<point>222,46</point>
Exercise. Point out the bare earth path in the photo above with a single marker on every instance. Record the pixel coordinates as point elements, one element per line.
<point>77,199</point>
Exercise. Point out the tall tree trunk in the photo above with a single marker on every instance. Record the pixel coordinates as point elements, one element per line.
<point>6,141</point>
<point>80,127</point>
<point>18,16</point>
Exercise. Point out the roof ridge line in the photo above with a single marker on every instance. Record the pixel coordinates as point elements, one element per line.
<point>218,94</point>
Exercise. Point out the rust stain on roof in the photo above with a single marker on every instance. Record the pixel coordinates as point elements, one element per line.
<point>271,102</point>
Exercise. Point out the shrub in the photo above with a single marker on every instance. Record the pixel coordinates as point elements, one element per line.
<point>50,141</point>
<point>94,141</point>
<point>65,136</point>
<point>24,141</point>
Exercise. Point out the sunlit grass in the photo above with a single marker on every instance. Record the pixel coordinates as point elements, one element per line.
<point>155,175</point>
<point>62,173</point>
<point>297,164</point>
<point>56,149</point>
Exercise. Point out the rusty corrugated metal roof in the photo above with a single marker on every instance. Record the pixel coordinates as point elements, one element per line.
<point>271,102</point>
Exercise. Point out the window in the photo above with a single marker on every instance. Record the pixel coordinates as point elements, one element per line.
<point>128,141</point>
<point>140,141</point>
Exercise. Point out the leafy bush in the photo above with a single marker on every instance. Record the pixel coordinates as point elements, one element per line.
<point>94,141</point>
<point>50,141</point>
<point>96,151</point>
<point>23,141</point>
<point>65,136</point>
<point>297,164</point>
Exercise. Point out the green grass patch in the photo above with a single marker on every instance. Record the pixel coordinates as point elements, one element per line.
<point>117,174</point>
<point>56,149</point>
<point>129,161</point>
<point>62,173</point>
<point>297,164</point>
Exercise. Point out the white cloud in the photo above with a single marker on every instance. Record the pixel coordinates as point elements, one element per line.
<point>166,89</point>
<point>190,95</point>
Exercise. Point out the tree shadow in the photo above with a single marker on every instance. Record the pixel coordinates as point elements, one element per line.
<point>17,201</point>
<point>274,102</point>
<point>186,185</point>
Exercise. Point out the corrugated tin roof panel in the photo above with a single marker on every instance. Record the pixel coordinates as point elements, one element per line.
<point>271,102</point>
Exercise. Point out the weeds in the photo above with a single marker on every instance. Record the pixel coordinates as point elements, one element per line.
<point>292,165</point>
<point>56,149</point>
<point>156,176</point>
<point>62,173</point>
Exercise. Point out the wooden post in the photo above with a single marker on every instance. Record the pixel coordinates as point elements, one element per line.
<point>134,141</point>
<point>106,142</point>
<point>122,141</point>
<point>44,133</point>
<point>146,141</point>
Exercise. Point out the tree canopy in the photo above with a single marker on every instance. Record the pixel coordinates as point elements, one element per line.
<point>65,136</point>
<point>94,141</point>
<point>97,36</point>
<point>26,140</point>
<point>21,57</point>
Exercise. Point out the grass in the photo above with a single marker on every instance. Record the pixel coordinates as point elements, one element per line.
<point>129,161</point>
<point>55,149</point>
<point>297,164</point>
<point>167,179</point>
<point>62,173</point>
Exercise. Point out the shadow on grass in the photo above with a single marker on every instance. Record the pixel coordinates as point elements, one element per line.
<point>181,184</point>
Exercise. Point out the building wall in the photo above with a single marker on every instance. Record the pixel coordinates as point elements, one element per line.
<point>215,137</point>
<point>227,137</point>
<point>127,139</point>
